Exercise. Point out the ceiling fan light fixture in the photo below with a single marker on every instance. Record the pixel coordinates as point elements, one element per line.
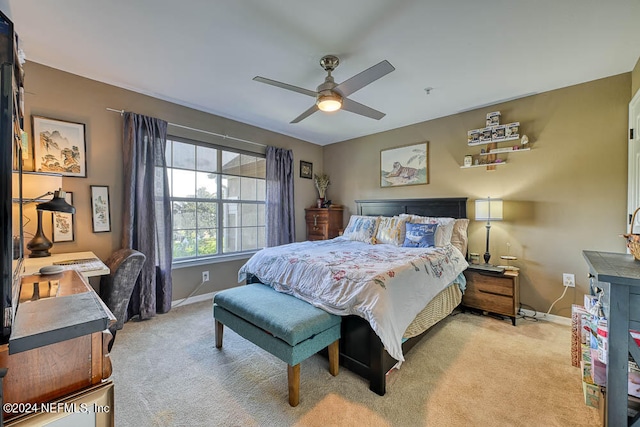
<point>329,102</point>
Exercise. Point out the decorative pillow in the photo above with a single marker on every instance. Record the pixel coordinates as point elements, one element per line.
<point>391,230</point>
<point>420,235</point>
<point>362,228</point>
<point>459,237</point>
<point>445,227</point>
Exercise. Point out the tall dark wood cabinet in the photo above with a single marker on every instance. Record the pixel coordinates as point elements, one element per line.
<point>323,223</point>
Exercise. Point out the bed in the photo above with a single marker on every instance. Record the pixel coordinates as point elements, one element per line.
<point>364,337</point>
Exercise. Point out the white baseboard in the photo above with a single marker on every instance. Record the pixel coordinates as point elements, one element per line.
<point>547,317</point>
<point>530,313</point>
<point>197,298</point>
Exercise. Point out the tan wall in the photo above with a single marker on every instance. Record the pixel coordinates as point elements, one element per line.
<point>56,94</point>
<point>635,78</point>
<point>567,194</point>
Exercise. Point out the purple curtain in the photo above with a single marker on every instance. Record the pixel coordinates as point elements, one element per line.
<point>281,225</point>
<point>147,212</point>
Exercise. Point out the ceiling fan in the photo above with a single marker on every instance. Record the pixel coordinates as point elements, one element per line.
<point>331,96</point>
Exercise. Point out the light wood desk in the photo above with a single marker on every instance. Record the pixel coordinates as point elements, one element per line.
<point>90,267</point>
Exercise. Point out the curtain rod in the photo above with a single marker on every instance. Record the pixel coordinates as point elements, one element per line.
<point>121,112</point>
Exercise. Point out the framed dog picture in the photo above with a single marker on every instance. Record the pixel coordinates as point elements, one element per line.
<point>407,165</point>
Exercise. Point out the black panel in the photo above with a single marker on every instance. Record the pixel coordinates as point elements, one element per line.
<point>454,207</point>
<point>6,167</point>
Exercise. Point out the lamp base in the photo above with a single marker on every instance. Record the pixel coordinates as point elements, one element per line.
<point>39,254</point>
<point>39,245</point>
<point>487,257</point>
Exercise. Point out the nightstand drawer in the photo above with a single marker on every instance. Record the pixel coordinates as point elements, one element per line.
<point>498,294</point>
<point>494,285</point>
<point>485,300</point>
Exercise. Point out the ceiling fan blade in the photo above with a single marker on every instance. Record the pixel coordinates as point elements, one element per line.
<point>369,75</point>
<point>306,114</point>
<point>286,86</point>
<point>363,110</point>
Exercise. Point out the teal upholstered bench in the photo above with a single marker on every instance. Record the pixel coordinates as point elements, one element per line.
<point>285,326</point>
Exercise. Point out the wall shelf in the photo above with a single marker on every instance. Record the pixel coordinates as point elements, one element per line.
<point>490,137</point>
<point>484,165</point>
<point>493,141</point>
<point>504,150</point>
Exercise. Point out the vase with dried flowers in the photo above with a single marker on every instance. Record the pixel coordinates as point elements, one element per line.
<point>322,182</point>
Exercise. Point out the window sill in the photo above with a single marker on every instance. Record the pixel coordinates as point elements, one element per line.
<point>211,260</point>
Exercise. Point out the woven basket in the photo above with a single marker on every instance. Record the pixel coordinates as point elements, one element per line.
<point>633,240</point>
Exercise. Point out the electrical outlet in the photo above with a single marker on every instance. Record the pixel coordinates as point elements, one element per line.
<point>205,276</point>
<point>569,280</point>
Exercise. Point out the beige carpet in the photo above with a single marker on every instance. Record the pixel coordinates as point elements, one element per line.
<point>469,371</point>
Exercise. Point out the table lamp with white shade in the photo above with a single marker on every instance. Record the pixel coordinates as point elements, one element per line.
<point>488,210</point>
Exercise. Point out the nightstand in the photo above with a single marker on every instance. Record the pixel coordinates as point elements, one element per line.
<point>492,292</point>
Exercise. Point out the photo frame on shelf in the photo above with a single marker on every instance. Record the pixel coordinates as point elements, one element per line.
<point>62,224</point>
<point>407,165</point>
<point>59,146</point>
<point>306,169</point>
<point>100,209</point>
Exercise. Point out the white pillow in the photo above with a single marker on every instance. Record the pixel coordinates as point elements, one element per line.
<point>444,230</point>
<point>362,228</point>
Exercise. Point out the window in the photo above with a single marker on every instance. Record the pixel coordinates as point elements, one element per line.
<point>217,199</point>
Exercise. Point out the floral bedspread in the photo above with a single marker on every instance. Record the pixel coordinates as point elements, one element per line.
<point>386,285</point>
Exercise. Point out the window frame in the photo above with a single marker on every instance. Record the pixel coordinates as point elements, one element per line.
<point>219,200</point>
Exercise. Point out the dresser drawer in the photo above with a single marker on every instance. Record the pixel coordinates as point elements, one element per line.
<point>318,231</point>
<point>316,218</point>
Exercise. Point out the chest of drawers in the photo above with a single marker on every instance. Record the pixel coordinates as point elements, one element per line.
<point>323,223</point>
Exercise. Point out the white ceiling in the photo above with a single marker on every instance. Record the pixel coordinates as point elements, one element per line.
<point>204,53</point>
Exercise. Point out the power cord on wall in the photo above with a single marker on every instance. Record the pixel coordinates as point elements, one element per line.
<point>190,295</point>
<point>561,296</point>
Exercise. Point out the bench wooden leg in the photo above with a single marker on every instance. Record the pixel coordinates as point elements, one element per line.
<point>219,330</point>
<point>334,357</point>
<point>293,375</point>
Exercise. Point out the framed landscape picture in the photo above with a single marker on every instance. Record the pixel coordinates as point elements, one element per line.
<point>100,215</point>
<point>407,165</point>
<point>63,223</point>
<point>59,146</point>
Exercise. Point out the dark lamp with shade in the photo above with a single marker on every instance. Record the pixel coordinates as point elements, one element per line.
<point>488,210</point>
<point>40,245</point>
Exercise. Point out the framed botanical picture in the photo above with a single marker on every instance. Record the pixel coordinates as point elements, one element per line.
<point>306,169</point>
<point>100,211</point>
<point>62,223</point>
<point>407,165</point>
<point>59,146</point>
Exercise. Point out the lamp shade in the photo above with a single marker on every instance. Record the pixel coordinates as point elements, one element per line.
<point>489,209</point>
<point>57,204</point>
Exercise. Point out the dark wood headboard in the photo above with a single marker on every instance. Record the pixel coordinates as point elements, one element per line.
<point>454,207</point>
